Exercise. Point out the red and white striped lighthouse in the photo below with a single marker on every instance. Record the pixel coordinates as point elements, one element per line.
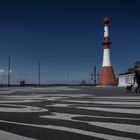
<point>107,76</point>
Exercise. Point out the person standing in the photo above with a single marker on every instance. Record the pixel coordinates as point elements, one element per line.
<point>137,80</point>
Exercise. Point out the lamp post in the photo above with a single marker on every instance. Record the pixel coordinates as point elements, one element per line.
<point>38,73</point>
<point>9,65</point>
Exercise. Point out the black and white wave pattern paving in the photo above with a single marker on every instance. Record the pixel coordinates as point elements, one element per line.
<point>67,114</point>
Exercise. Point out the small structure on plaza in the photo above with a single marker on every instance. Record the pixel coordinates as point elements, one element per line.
<point>22,83</point>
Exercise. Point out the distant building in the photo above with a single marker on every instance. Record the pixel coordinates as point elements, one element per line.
<point>127,78</point>
<point>22,83</point>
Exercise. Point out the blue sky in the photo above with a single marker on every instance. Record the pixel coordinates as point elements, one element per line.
<point>66,36</point>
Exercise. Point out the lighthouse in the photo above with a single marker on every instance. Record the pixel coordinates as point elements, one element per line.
<point>107,76</point>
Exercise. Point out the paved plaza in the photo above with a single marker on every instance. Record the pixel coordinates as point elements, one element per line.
<point>69,113</point>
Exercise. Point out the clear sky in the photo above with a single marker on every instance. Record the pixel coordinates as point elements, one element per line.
<point>66,36</point>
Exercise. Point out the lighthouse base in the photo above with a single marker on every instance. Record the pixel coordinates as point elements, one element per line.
<point>107,77</point>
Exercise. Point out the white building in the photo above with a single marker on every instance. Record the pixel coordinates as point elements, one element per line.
<point>125,80</point>
<point>128,79</point>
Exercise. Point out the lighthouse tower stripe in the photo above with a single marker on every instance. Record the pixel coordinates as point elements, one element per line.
<point>106,53</point>
<point>106,58</point>
<point>106,31</point>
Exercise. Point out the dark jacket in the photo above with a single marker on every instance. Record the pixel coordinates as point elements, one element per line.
<point>137,77</point>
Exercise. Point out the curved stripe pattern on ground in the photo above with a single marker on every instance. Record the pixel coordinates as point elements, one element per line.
<point>73,114</point>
